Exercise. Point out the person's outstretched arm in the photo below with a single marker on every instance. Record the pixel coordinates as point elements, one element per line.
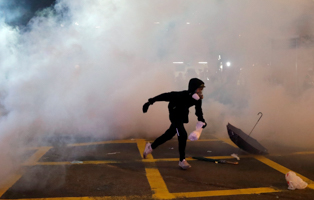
<point>162,97</point>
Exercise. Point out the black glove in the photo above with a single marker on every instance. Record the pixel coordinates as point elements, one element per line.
<point>204,125</point>
<point>145,107</point>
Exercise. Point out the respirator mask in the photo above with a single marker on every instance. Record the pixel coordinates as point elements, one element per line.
<point>198,95</point>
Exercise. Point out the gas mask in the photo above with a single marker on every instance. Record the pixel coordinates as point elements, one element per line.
<point>198,95</point>
<point>195,96</point>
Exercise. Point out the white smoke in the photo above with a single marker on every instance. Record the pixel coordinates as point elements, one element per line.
<point>86,68</point>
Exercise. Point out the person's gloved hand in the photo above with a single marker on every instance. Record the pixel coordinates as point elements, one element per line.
<point>145,107</point>
<point>204,125</point>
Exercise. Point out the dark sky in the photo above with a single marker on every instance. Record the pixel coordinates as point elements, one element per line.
<point>19,12</point>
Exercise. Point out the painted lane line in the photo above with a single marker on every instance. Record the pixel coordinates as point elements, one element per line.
<point>10,181</point>
<point>92,198</point>
<point>213,193</point>
<point>148,160</point>
<point>37,155</point>
<point>102,142</point>
<point>154,178</point>
<point>282,169</point>
<point>17,175</point>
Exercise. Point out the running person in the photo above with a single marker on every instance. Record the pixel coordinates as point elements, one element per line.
<point>179,104</point>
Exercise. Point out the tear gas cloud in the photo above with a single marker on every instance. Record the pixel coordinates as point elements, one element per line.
<point>85,69</point>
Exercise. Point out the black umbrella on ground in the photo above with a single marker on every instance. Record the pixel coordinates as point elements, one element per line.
<point>244,141</point>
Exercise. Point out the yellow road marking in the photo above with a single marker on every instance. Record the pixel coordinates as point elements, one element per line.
<point>148,160</point>
<point>246,191</point>
<point>292,153</point>
<point>97,162</point>
<point>311,186</point>
<point>116,142</point>
<point>158,184</point>
<point>102,142</point>
<point>189,159</point>
<point>205,140</point>
<point>277,166</point>
<point>283,169</point>
<point>303,153</point>
<point>272,164</point>
<point>141,146</point>
<point>37,155</point>
<point>200,140</point>
<point>15,177</point>
<point>10,181</point>
<point>154,178</point>
<point>92,198</point>
<point>36,148</point>
<point>225,192</point>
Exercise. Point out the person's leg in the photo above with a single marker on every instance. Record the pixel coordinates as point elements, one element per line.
<point>168,135</point>
<point>160,140</point>
<point>182,138</point>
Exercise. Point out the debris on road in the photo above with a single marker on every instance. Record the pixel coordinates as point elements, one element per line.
<point>113,153</point>
<point>77,162</point>
<point>294,181</point>
<point>235,156</point>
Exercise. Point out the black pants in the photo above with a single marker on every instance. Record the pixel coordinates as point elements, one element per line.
<point>175,128</point>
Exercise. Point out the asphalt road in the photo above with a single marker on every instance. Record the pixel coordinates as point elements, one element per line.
<point>116,170</point>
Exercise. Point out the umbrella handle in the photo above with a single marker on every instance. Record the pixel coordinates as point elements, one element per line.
<point>257,121</point>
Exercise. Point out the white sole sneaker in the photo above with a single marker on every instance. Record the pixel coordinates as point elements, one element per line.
<point>148,150</point>
<point>184,164</point>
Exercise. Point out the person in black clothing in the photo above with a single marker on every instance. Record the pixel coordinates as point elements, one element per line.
<point>179,104</point>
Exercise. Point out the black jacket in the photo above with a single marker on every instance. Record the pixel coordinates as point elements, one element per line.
<point>179,104</point>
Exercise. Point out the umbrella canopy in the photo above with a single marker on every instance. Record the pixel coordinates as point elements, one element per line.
<point>244,141</point>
